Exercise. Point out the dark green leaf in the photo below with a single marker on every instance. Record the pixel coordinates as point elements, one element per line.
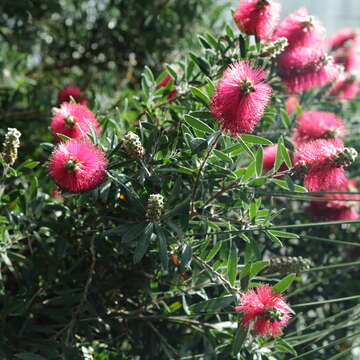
<point>284,283</point>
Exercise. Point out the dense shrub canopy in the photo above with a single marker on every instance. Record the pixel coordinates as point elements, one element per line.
<point>201,210</point>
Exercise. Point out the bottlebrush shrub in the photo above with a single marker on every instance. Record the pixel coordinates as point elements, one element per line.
<point>164,258</point>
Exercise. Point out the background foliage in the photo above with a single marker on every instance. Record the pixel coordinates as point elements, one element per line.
<point>88,276</point>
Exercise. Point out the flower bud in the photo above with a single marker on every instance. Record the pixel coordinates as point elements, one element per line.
<point>133,146</point>
<point>10,146</point>
<point>287,264</point>
<point>154,207</point>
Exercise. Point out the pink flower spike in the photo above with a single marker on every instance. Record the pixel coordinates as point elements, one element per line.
<point>317,151</point>
<point>324,178</point>
<point>74,121</point>
<point>312,125</point>
<point>291,104</point>
<point>240,98</point>
<point>77,166</point>
<point>258,17</point>
<point>302,29</point>
<point>342,38</point>
<point>324,73</point>
<point>345,88</point>
<point>264,308</point>
<point>72,91</point>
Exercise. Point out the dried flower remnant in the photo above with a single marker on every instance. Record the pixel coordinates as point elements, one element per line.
<point>273,49</point>
<point>133,146</point>
<point>258,17</point>
<point>155,207</point>
<point>74,121</point>
<point>240,98</point>
<point>287,264</point>
<point>77,166</point>
<point>265,309</point>
<point>10,146</point>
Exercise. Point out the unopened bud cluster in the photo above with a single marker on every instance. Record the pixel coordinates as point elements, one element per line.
<point>133,146</point>
<point>154,207</point>
<point>287,264</point>
<point>10,146</point>
<point>274,49</point>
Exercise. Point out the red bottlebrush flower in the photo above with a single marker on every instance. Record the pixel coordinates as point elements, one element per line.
<point>164,82</point>
<point>324,160</point>
<point>347,57</point>
<point>74,121</point>
<point>324,177</point>
<point>312,125</point>
<point>77,166</point>
<point>72,91</point>
<point>345,88</point>
<point>302,29</point>
<point>314,72</point>
<point>266,309</point>
<point>291,104</point>
<point>342,38</point>
<point>258,17</point>
<point>240,98</point>
<point>316,152</point>
<point>322,210</point>
<point>269,159</point>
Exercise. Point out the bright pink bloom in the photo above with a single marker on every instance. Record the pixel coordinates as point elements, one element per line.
<point>164,82</point>
<point>339,206</point>
<point>322,210</point>
<point>240,98</point>
<point>269,159</point>
<point>312,125</point>
<point>266,309</point>
<point>77,166</point>
<point>323,160</point>
<point>324,177</point>
<point>301,29</point>
<point>318,151</point>
<point>291,104</point>
<point>73,91</point>
<point>306,68</point>
<point>345,88</point>
<point>74,121</point>
<point>347,57</point>
<point>258,17</point>
<point>343,37</point>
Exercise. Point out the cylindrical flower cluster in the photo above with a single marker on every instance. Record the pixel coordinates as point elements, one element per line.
<point>133,146</point>
<point>10,146</point>
<point>155,207</point>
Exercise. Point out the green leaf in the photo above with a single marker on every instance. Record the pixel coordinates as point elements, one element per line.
<point>232,265</point>
<point>246,147</point>
<point>222,156</point>
<point>284,116</point>
<point>259,160</point>
<point>274,238</point>
<point>250,171</point>
<point>240,337</point>
<point>257,267</point>
<point>284,283</point>
<point>229,31</point>
<point>213,304</point>
<point>29,164</point>
<point>197,124</point>
<point>279,156</point>
<point>212,41</point>
<point>257,182</point>
<point>201,62</point>
<point>171,72</point>
<point>200,95</point>
<point>284,346</point>
<point>284,234</point>
<point>63,137</point>
<point>186,257</point>
<point>29,356</point>
<point>143,244</point>
<point>213,252</point>
<point>253,139</point>
<point>286,156</point>
<point>164,258</point>
<point>283,184</point>
<point>202,115</point>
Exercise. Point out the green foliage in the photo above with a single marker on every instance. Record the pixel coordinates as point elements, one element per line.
<point>90,273</point>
